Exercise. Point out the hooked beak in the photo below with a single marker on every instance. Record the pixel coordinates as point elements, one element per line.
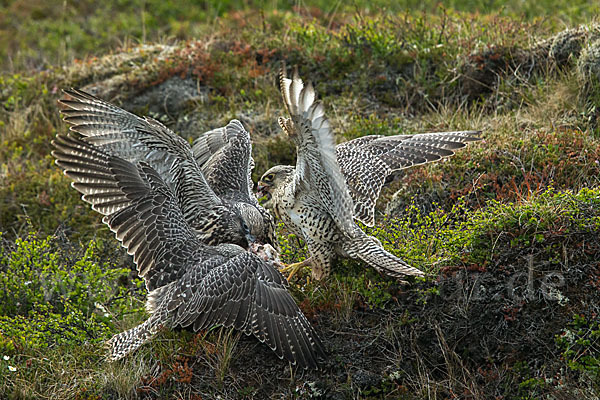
<point>251,239</point>
<point>262,190</point>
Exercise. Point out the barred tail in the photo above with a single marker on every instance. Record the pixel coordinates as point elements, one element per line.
<point>125,342</point>
<point>369,249</point>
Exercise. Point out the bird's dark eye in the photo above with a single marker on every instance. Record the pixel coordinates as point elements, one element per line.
<point>269,177</point>
<point>245,227</point>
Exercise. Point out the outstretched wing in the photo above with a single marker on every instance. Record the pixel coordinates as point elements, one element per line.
<point>122,134</point>
<point>316,165</point>
<point>367,161</point>
<point>225,158</point>
<point>204,286</point>
<point>248,294</point>
<point>138,207</point>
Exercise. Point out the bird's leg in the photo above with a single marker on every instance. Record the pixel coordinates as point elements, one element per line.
<point>295,267</point>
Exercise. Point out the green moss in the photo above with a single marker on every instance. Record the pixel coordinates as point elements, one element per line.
<point>580,346</point>
<point>292,248</point>
<point>460,235</point>
<point>388,69</point>
<point>46,201</point>
<point>49,297</point>
<point>373,125</point>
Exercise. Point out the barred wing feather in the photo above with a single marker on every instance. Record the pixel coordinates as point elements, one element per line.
<point>367,161</point>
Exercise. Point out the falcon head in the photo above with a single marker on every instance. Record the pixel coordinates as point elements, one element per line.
<point>274,181</point>
<point>259,221</point>
<point>226,225</point>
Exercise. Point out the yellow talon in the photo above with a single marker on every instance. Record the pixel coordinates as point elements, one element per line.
<point>294,268</point>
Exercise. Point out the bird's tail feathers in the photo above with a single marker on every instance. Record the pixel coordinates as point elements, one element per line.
<point>125,342</point>
<point>370,250</point>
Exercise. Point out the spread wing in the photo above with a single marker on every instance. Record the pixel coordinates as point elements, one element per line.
<point>205,287</point>
<point>138,207</point>
<point>316,165</point>
<point>225,158</point>
<point>248,294</point>
<point>367,161</point>
<point>120,133</point>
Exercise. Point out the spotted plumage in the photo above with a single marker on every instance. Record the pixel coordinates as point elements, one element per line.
<point>190,283</point>
<point>209,207</point>
<point>367,162</point>
<point>225,158</point>
<point>312,199</point>
<point>330,186</point>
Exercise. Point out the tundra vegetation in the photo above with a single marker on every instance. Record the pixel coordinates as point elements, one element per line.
<point>507,229</point>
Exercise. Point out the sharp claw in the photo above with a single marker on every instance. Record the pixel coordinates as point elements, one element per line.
<point>292,268</point>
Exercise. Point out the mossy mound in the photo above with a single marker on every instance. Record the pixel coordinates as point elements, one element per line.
<point>567,45</point>
<point>588,72</point>
<point>507,228</point>
<point>588,65</point>
<point>512,313</point>
<point>198,85</point>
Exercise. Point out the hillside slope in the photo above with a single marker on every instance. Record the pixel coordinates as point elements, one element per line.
<point>508,228</point>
